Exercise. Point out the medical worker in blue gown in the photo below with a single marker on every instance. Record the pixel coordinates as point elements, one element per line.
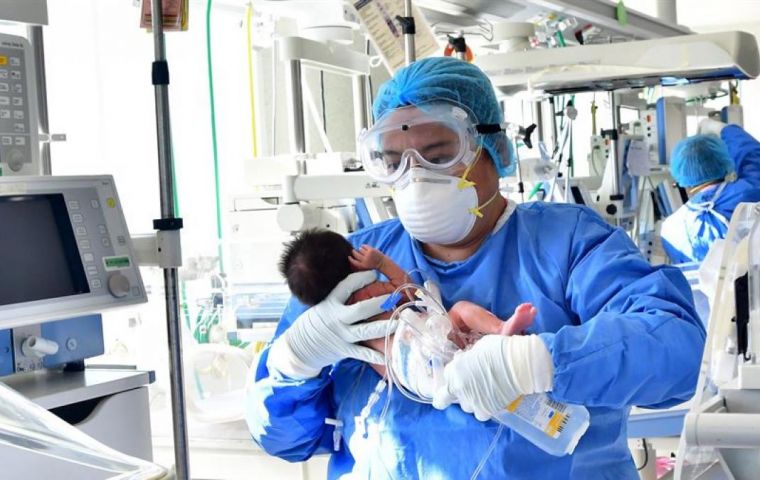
<point>720,168</point>
<point>612,331</point>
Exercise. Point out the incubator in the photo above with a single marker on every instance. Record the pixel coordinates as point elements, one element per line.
<point>425,341</point>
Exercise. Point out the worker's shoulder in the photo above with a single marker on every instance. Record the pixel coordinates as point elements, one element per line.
<point>547,217</point>
<point>733,131</point>
<point>385,231</point>
<point>747,190</point>
<point>674,225</point>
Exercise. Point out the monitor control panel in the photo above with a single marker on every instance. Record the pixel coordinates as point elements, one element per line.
<point>19,128</point>
<point>65,249</point>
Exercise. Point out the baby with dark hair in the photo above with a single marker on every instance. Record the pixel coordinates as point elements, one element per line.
<point>317,260</point>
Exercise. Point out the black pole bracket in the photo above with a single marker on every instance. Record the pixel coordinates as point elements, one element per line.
<point>160,72</point>
<point>167,224</point>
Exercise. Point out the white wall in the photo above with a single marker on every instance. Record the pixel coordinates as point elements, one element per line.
<point>100,95</point>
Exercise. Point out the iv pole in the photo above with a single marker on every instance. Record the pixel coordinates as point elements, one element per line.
<point>169,226</point>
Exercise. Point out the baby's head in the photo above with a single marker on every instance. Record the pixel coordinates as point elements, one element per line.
<point>314,263</point>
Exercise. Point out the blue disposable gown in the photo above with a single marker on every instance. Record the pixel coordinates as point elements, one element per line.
<point>689,232</point>
<point>620,332</point>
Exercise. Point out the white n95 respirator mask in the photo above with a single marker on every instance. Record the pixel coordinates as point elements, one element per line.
<point>436,208</point>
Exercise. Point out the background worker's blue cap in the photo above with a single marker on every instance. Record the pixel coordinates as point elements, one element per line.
<point>453,80</point>
<point>700,159</point>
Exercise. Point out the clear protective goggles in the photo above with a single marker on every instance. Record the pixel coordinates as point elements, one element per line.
<point>442,137</point>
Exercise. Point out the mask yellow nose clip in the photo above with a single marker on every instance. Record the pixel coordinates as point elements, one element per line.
<point>464,182</point>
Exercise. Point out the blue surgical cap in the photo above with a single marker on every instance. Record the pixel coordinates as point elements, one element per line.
<point>453,80</point>
<point>700,159</point>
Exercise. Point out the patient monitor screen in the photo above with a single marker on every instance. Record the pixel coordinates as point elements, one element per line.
<point>39,258</point>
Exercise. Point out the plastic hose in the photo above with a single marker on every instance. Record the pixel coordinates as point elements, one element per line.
<point>213,135</point>
<point>251,90</point>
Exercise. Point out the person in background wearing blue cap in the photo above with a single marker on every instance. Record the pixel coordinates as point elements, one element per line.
<point>720,168</point>
<point>612,331</point>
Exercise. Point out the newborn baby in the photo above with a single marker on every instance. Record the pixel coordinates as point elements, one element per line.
<point>317,260</point>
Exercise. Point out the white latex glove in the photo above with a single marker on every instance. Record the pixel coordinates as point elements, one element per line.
<point>494,372</point>
<point>328,332</point>
<point>710,126</point>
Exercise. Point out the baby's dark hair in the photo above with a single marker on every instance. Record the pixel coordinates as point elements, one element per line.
<point>314,263</point>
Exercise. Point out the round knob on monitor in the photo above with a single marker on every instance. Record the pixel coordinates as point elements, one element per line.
<point>15,160</point>
<point>118,285</point>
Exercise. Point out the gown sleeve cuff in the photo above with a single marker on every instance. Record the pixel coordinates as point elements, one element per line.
<point>548,339</point>
<point>283,361</point>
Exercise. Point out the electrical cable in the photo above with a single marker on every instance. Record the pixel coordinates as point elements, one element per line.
<point>570,163</point>
<point>646,455</point>
<point>322,96</point>
<point>212,107</point>
<point>570,157</point>
<point>316,117</point>
<point>369,81</point>
<point>701,99</point>
<point>273,122</point>
<point>557,156</point>
<point>251,90</point>
<point>487,29</point>
<point>561,144</point>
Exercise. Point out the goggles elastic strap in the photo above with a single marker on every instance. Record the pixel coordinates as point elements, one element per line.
<point>477,210</point>
<point>486,128</point>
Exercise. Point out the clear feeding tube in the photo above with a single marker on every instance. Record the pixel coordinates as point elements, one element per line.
<point>425,341</point>
<point>421,347</point>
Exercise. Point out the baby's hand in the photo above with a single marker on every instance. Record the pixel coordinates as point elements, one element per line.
<point>523,317</point>
<point>366,258</point>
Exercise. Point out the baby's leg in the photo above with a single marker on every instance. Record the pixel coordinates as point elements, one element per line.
<point>524,315</point>
<point>467,317</point>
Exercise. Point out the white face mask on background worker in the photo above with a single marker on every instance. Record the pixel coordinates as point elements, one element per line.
<point>428,154</point>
